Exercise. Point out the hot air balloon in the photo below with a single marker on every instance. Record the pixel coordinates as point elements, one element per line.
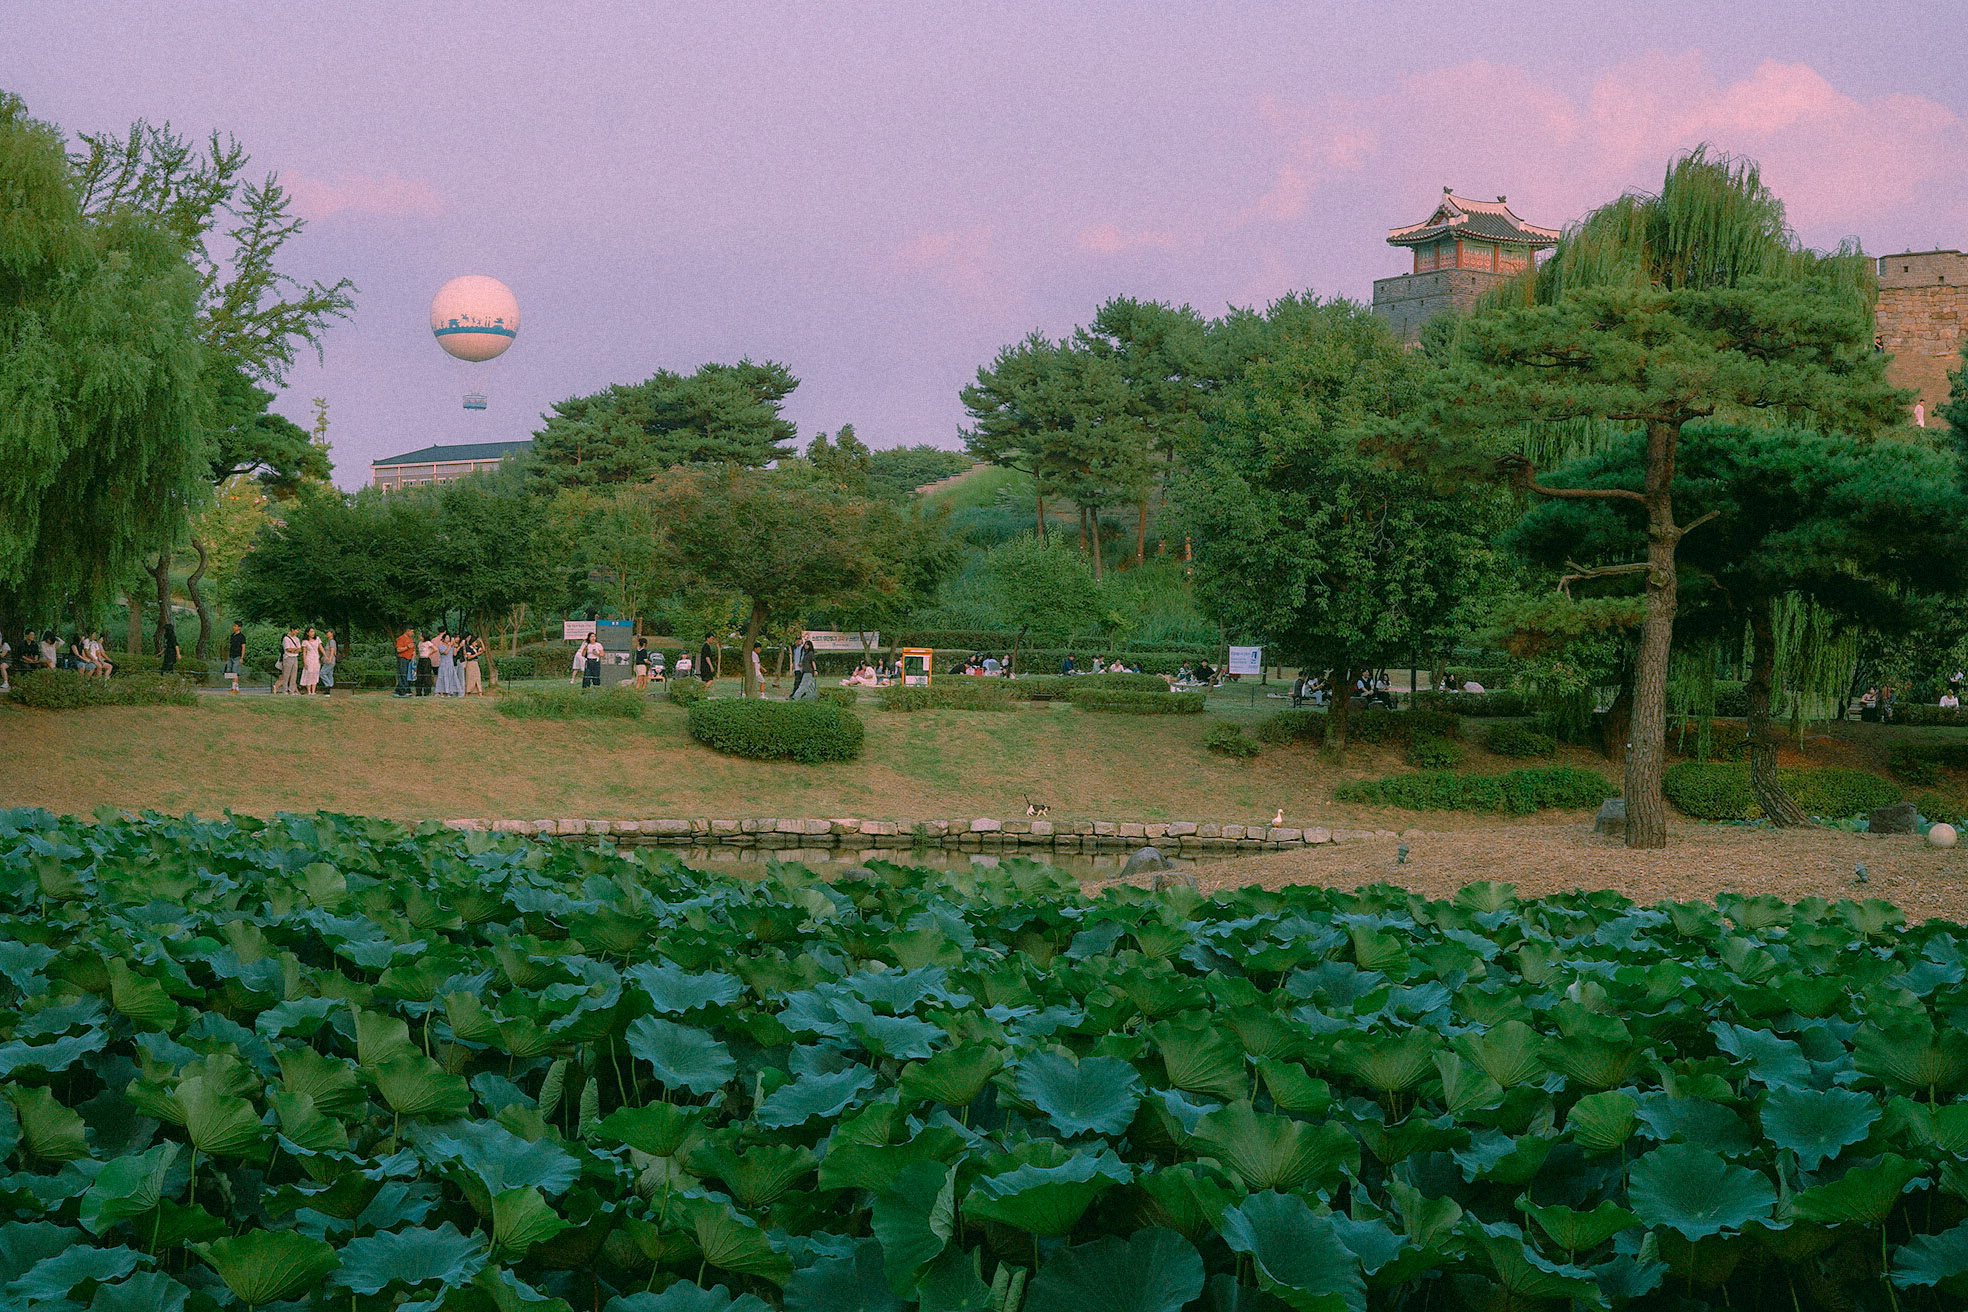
<point>474,318</point>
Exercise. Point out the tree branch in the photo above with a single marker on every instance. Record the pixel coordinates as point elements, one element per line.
<point>1523,476</point>
<point>1580,573</point>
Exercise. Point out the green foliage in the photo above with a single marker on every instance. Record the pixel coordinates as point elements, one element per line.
<point>1517,792</point>
<point>723,414</point>
<point>67,690</point>
<point>1518,740</point>
<point>1917,715</point>
<point>1430,753</point>
<point>1229,740</point>
<point>895,472</point>
<point>947,694</point>
<point>692,1093</point>
<point>1377,724</point>
<point>805,731</point>
<point>1476,705</point>
<point>1042,586</point>
<point>1715,791</point>
<point>1140,703</point>
<point>685,690</point>
<point>1300,724</point>
<point>842,697</point>
<point>618,703</point>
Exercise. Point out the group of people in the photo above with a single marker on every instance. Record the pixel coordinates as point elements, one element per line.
<point>307,661</point>
<point>1372,687</point>
<point>440,664</point>
<point>1104,665</point>
<point>46,651</point>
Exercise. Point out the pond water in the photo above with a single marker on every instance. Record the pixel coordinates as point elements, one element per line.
<point>821,860</point>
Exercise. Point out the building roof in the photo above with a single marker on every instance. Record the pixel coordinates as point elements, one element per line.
<point>438,455</point>
<point>1458,216</point>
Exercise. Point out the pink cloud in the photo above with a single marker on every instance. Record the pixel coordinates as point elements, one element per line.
<point>390,195</point>
<point>962,259</point>
<point>1112,239</point>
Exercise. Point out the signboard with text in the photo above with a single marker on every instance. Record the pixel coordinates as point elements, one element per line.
<point>1247,660</point>
<point>830,640</point>
<point>577,630</point>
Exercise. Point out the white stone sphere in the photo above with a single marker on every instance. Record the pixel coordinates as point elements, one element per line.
<point>474,317</point>
<point>1942,835</point>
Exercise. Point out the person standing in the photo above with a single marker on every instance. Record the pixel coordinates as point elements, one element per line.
<point>707,659</point>
<point>330,653</point>
<point>310,663</point>
<point>758,669</point>
<point>235,654</point>
<point>406,661</point>
<point>799,669</point>
<point>426,666</point>
<point>449,684</point>
<point>167,647</point>
<point>641,661</point>
<point>474,677</point>
<point>591,662</point>
<point>580,668</point>
<point>290,661</point>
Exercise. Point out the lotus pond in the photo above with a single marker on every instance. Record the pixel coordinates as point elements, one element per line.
<point>332,1063</point>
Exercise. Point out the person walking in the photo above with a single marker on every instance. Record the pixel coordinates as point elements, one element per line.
<point>799,669</point>
<point>235,660</point>
<point>406,661</point>
<point>167,648</point>
<point>707,659</point>
<point>805,684</point>
<point>310,663</point>
<point>580,668</point>
<point>290,661</point>
<point>330,653</point>
<point>474,677</point>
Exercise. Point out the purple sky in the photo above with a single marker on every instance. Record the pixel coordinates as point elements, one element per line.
<point>881,195</point>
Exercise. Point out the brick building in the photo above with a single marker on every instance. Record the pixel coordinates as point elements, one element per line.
<point>1922,320</point>
<point>441,464</point>
<point>1460,251</point>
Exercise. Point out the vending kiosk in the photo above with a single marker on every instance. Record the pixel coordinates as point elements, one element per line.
<point>916,663</point>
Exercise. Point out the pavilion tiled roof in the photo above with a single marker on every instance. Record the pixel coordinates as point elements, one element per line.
<point>438,455</point>
<point>1483,220</point>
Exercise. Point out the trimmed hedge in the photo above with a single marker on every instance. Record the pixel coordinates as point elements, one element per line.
<point>839,696</point>
<point>1920,715</point>
<point>67,690</point>
<point>948,695</point>
<point>1517,740</point>
<point>1064,687</point>
<point>687,691</point>
<point>804,731</point>
<point>1436,753</point>
<point>143,662</point>
<point>1377,724</point>
<point>1228,740</point>
<point>1297,725</point>
<point>1477,705</point>
<point>1517,792</point>
<point>572,704</point>
<point>1711,791</point>
<point>1140,703</point>
<point>520,667</point>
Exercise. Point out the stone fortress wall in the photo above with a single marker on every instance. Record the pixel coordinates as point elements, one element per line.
<point>1922,320</point>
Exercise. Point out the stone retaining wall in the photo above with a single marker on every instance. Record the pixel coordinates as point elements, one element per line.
<point>981,833</point>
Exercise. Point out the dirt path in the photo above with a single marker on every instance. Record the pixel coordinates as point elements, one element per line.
<point>1700,861</point>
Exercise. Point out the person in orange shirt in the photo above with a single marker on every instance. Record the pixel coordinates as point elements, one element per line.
<point>406,661</point>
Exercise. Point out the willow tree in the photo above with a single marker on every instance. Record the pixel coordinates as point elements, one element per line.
<point>1653,312</point>
<point>1802,528</point>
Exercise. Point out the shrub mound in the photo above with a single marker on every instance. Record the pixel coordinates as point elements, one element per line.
<point>1517,792</point>
<point>1140,703</point>
<point>1377,724</point>
<point>839,696</point>
<point>68,690</point>
<point>1517,740</point>
<point>1918,715</point>
<point>617,703</point>
<point>685,691</point>
<point>988,1077</point>
<point>1229,740</point>
<point>1713,791</point>
<point>804,731</point>
<point>1922,764</point>
<point>1477,705</point>
<point>948,695</point>
<point>1436,753</point>
<point>1298,725</point>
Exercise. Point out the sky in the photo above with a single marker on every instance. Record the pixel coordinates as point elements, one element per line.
<point>880,196</point>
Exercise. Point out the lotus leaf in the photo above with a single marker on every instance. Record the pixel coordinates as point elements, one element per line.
<point>682,1057</point>
<point>1275,1152</point>
<point>1155,1270</point>
<point>411,1257</point>
<point>1297,1253</point>
<point>1046,1200</point>
<point>1095,1096</point>
<point>265,1266</point>
<point>1817,1124</point>
<point>1695,1193</point>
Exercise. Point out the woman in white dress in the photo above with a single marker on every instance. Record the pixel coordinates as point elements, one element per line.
<point>310,663</point>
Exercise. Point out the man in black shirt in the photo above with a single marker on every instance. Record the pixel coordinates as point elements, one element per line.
<point>235,654</point>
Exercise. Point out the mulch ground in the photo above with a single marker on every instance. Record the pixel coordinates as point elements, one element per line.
<point>1699,862</point>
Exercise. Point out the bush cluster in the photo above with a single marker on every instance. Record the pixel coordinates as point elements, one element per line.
<point>1478,705</point>
<point>1140,703</point>
<point>1490,676</point>
<point>1918,715</point>
<point>619,703</point>
<point>519,667</point>
<point>804,731</point>
<point>144,662</point>
<point>1713,791</point>
<point>948,695</point>
<point>67,690</point>
<point>1377,724</point>
<point>1942,809</point>
<point>1300,724</point>
<point>1064,687</point>
<point>686,692</point>
<point>1228,740</point>
<point>1518,740</point>
<point>1731,699</point>
<point>1517,792</point>
<point>1435,753</point>
<point>839,696</point>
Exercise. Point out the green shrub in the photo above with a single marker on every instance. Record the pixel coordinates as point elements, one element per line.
<point>1377,724</point>
<point>1140,703</point>
<point>805,731</point>
<point>1940,808</point>
<point>1492,677</point>
<point>1229,740</point>
<point>1715,791</point>
<point>618,703</point>
<point>1435,753</point>
<point>1731,699</point>
<point>1919,715</point>
<point>1477,705</point>
<point>839,696</point>
<point>948,695</point>
<point>686,692</point>
<point>67,690</point>
<point>1517,792</point>
<point>513,667</point>
<point>1518,740</point>
<point>143,662</point>
<point>1298,725</point>
<point>1064,687</point>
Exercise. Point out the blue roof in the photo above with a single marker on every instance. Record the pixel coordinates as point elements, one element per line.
<point>438,455</point>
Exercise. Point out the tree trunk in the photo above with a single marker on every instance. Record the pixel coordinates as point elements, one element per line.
<point>1646,758</point>
<point>133,635</point>
<point>204,648</point>
<point>1618,726</point>
<point>1083,533</point>
<point>1093,517</point>
<point>161,574</point>
<point>753,624</point>
<point>1763,780</point>
<point>1141,533</point>
<point>1041,516</point>
<point>1342,708</point>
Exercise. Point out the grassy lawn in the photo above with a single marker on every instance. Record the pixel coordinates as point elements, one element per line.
<point>426,758</point>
